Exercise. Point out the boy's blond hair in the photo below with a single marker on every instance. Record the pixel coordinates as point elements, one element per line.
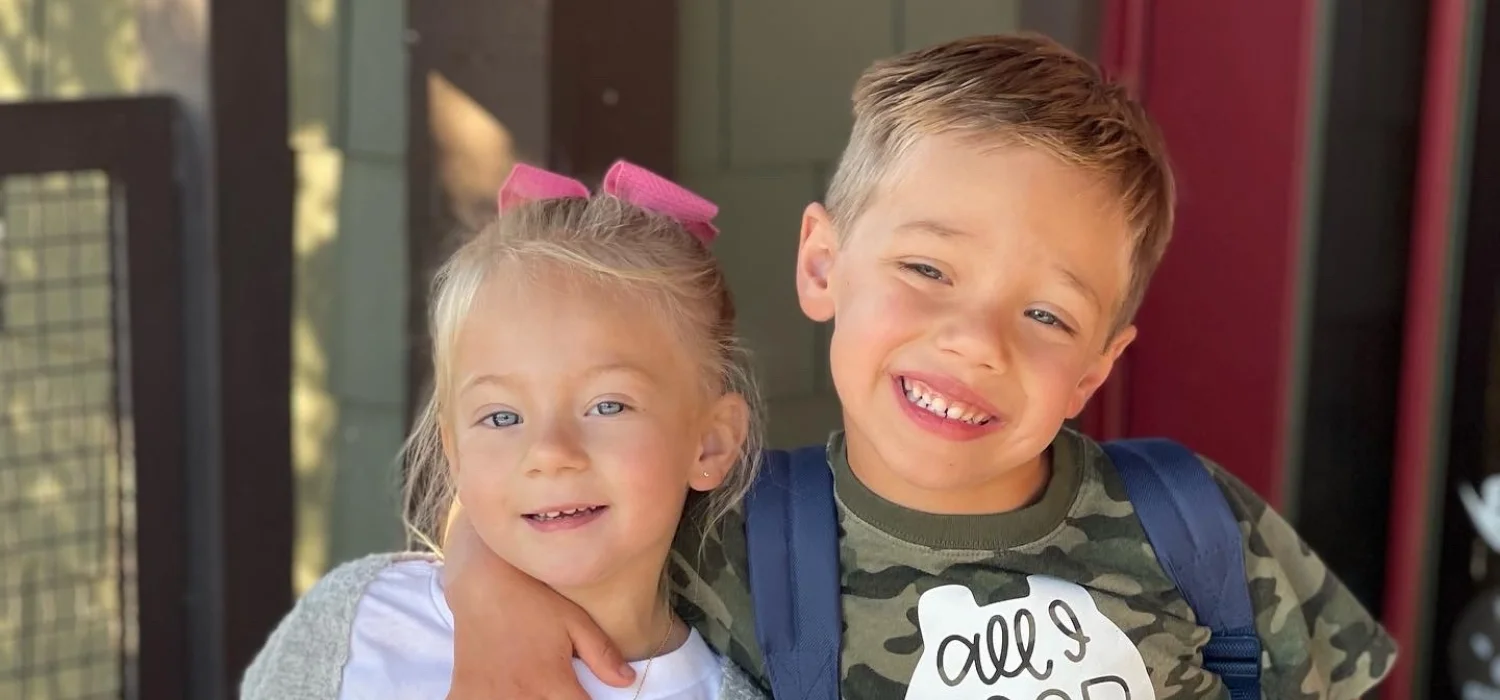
<point>1021,89</point>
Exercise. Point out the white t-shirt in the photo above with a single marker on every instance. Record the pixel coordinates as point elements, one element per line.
<point>402,647</point>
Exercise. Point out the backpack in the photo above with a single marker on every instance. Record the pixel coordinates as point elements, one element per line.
<point>791,532</point>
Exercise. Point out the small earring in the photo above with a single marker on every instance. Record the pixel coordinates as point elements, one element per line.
<point>705,475</point>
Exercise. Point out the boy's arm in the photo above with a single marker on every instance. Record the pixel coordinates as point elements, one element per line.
<point>1320,641</point>
<point>514,637</point>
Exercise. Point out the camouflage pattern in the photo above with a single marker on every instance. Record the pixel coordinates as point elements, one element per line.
<point>1319,642</point>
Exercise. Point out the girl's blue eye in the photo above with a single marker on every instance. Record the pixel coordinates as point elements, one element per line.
<point>1047,318</point>
<point>502,419</point>
<point>607,408</point>
<point>924,270</point>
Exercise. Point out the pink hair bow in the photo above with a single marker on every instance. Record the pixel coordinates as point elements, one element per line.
<point>624,180</point>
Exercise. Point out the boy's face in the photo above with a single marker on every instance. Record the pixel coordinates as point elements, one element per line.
<point>972,304</point>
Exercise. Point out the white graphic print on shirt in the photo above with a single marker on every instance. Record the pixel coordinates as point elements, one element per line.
<point>1054,644</point>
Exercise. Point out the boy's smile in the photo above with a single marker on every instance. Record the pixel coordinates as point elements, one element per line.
<point>946,407</point>
<point>973,302</point>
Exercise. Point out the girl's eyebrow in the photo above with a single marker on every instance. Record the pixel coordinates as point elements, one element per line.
<point>510,379</point>
<point>620,368</point>
<point>473,381</point>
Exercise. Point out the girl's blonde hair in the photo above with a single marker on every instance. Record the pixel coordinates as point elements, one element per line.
<point>606,241</point>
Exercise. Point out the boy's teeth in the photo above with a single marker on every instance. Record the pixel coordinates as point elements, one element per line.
<point>924,396</point>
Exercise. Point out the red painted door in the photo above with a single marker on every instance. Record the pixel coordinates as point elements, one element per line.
<point>1213,365</point>
<point>1220,362</point>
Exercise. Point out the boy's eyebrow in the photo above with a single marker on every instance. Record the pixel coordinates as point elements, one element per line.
<point>935,228</point>
<point>942,230</point>
<point>1080,285</point>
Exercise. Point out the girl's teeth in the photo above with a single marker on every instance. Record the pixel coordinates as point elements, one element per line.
<point>554,514</point>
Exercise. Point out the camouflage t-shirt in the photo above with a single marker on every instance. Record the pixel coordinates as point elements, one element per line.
<point>1061,599</point>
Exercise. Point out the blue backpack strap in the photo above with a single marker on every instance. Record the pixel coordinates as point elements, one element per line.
<point>791,534</point>
<point>1198,543</point>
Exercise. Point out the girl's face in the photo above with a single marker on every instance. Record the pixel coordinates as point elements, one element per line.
<point>577,423</point>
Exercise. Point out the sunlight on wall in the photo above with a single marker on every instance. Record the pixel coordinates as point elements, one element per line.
<point>348,128</point>
<point>314,409</point>
<point>472,151</point>
<point>68,48</point>
<point>314,108</point>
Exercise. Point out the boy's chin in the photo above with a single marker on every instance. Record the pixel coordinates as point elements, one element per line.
<point>937,475</point>
<point>931,463</point>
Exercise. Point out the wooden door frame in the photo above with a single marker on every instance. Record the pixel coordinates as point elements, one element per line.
<point>1426,389</point>
<point>253,187</point>
<point>1478,320</point>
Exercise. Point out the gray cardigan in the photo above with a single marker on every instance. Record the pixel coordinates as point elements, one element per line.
<point>304,658</point>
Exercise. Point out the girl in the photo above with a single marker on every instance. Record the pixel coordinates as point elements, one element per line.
<point>586,377</point>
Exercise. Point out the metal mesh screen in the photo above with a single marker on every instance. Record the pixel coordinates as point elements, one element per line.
<point>66,541</point>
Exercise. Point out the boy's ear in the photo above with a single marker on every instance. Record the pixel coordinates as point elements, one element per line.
<point>1094,378</point>
<point>816,252</point>
<point>719,448</point>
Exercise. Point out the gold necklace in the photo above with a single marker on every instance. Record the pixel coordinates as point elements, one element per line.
<point>642,685</point>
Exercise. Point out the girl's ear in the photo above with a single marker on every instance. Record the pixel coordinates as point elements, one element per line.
<point>719,448</point>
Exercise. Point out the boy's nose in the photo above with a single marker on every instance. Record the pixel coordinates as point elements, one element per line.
<point>976,340</point>
<point>557,449</point>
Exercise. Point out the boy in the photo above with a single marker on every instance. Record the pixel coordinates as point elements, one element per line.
<point>988,236</point>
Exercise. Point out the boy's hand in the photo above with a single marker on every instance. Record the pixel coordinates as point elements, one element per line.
<point>513,637</point>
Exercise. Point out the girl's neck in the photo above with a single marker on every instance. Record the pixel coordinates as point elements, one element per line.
<point>640,623</point>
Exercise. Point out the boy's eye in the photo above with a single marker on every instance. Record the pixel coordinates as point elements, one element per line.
<point>1047,318</point>
<point>924,270</point>
<point>607,408</point>
<point>502,419</point>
